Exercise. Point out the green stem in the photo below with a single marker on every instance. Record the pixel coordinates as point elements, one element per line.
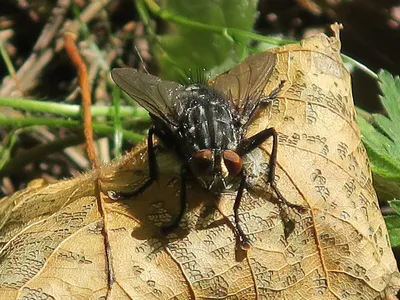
<point>100,128</point>
<point>117,123</point>
<point>6,59</point>
<point>70,110</point>
<point>144,16</point>
<point>360,66</point>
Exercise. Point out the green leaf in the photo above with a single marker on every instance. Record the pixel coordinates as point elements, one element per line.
<point>381,150</point>
<point>207,48</point>
<point>388,127</point>
<point>393,225</point>
<point>381,137</point>
<point>390,87</point>
<point>395,205</point>
<point>387,188</point>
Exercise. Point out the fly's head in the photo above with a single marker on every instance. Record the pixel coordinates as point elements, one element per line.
<point>216,170</point>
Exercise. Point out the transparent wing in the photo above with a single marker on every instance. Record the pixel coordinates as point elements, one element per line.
<point>244,84</point>
<point>152,93</point>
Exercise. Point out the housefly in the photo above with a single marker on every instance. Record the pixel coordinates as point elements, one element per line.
<point>205,125</point>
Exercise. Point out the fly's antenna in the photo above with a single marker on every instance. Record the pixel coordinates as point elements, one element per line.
<point>143,64</point>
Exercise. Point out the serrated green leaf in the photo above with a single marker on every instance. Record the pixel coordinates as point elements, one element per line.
<point>381,150</point>
<point>392,222</point>
<point>393,225</point>
<point>394,236</point>
<point>390,87</point>
<point>387,188</point>
<point>390,128</point>
<point>395,205</point>
<point>381,137</point>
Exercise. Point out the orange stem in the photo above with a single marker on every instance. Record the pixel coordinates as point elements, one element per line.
<point>73,53</point>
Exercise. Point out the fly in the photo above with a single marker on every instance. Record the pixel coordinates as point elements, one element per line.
<point>205,125</point>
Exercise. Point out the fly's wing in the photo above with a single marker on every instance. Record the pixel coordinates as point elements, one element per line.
<point>153,94</point>
<point>244,84</point>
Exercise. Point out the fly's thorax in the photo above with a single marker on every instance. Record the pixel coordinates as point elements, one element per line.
<point>205,120</point>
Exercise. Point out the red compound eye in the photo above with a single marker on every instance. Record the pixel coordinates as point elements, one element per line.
<point>233,162</point>
<point>202,163</point>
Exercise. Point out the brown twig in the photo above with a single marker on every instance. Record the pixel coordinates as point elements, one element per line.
<point>73,53</point>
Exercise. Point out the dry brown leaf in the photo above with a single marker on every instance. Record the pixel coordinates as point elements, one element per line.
<point>53,245</point>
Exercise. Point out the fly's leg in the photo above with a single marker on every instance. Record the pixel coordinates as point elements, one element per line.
<point>183,200</point>
<point>244,240</point>
<point>250,111</point>
<point>248,145</point>
<point>151,158</point>
<point>153,172</point>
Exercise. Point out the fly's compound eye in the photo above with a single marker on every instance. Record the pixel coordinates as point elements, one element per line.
<point>202,163</point>
<point>232,162</point>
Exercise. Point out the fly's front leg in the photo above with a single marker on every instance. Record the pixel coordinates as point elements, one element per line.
<point>244,240</point>
<point>153,172</point>
<point>183,200</point>
<point>250,111</point>
<point>248,145</point>
<point>152,161</point>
